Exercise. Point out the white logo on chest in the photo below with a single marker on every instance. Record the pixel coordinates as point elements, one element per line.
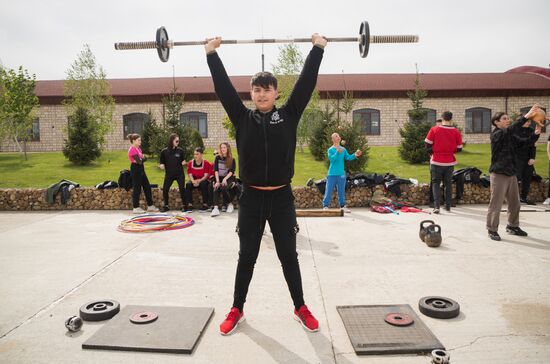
<point>275,118</point>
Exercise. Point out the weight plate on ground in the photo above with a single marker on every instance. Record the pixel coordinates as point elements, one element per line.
<point>144,317</point>
<point>398,319</point>
<point>439,307</point>
<point>364,41</point>
<point>99,310</point>
<point>162,47</point>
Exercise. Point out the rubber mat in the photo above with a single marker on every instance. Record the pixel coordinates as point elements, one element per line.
<point>371,335</point>
<point>176,330</point>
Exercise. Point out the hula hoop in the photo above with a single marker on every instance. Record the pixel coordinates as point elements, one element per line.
<point>148,223</point>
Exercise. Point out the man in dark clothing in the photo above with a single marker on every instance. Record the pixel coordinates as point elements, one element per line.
<point>266,143</point>
<point>172,160</point>
<point>525,160</point>
<point>505,139</point>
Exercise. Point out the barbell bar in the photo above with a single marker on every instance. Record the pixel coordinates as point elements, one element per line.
<point>163,44</point>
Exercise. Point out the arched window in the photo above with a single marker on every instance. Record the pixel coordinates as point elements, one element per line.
<point>367,120</point>
<point>133,123</point>
<point>429,116</point>
<point>196,120</point>
<point>478,120</point>
<point>525,110</point>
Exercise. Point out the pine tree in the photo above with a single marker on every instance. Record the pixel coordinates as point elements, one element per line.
<point>413,133</point>
<point>82,145</point>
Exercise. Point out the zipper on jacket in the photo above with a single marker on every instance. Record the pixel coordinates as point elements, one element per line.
<point>265,146</point>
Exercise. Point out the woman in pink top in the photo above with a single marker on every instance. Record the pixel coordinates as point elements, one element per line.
<point>139,178</point>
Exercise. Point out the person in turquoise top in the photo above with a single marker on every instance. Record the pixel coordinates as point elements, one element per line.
<point>336,173</point>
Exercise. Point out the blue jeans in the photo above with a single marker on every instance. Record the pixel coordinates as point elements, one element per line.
<point>340,183</point>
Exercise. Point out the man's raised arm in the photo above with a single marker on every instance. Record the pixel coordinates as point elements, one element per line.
<point>227,94</point>
<point>305,85</point>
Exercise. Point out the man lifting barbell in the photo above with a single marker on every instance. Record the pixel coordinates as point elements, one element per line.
<point>266,143</point>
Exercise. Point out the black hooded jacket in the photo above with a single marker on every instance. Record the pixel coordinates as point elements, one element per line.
<point>266,142</point>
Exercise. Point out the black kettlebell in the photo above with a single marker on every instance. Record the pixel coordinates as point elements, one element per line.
<point>433,236</point>
<point>422,233</point>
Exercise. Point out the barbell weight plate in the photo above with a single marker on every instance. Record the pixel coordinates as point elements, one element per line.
<point>162,46</point>
<point>439,307</point>
<point>364,35</point>
<point>99,310</point>
<point>144,317</point>
<point>398,319</point>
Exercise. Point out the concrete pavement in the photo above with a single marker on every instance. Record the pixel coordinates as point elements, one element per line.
<point>53,262</point>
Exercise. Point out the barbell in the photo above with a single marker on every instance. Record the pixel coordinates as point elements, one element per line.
<point>163,44</point>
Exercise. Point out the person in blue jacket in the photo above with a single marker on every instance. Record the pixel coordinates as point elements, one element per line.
<point>337,154</point>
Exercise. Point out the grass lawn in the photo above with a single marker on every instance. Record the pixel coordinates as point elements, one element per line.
<point>43,169</point>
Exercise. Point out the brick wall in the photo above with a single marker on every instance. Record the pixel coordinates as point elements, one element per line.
<point>393,113</point>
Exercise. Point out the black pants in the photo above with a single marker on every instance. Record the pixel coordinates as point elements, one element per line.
<point>524,175</point>
<point>276,207</point>
<point>203,186</point>
<point>432,188</point>
<point>139,181</point>
<point>445,174</point>
<point>226,191</point>
<point>168,180</point>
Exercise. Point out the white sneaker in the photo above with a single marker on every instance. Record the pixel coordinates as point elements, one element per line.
<point>152,208</point>
<point>230,208</point>
<point>138,210</point>
<point>346,210</point>
<point>325,207</point>
<point>547,201</point>
<point>215,211</point>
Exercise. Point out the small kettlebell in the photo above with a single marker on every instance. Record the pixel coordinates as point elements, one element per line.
<point>73,323</point>
<point>422,233</point>
<point>433,236</point>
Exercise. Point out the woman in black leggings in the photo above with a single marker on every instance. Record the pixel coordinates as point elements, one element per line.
<point>224,182</point>
<point>139,178</point>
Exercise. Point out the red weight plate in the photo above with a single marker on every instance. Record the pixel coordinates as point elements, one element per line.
<point>144,317</point>
<point>398,319</point>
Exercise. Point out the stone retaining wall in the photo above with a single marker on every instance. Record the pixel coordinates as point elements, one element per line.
<point>89,198</point>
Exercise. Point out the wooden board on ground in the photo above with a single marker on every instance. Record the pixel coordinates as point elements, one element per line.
<point>176,330</point>
<point>319,213</point>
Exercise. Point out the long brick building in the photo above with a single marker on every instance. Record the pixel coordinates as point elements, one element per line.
<point>381,103</point>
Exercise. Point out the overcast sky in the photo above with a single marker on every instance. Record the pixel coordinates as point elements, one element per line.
<point>455,36</point>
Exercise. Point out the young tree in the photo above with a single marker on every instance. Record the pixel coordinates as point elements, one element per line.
<point>150,136</point>
<point>414,131</point>
<point>18,106</point>
<point>229,127</point>
<point>81,146</point>
<point>287,69</point>
<point>189,137</point>
<point>86,87</point>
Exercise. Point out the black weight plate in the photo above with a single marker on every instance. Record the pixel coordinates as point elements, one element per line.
<point>99,310</point>
<point>439,307</point>
<point>162,48</point>
<point>364,34</point>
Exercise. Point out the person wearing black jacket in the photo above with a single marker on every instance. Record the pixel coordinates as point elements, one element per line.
<point>172,160</point>
<point>505,140</point>
<point>525,161</point>
<point>266,143</point>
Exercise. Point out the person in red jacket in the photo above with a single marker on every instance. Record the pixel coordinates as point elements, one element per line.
<point>442,143</point>
<point>198,171</point>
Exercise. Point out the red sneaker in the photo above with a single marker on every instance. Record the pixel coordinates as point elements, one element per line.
<point>232,320</point>
<point>308,321</point>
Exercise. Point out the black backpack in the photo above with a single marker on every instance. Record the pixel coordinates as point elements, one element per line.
<point>125,180</point>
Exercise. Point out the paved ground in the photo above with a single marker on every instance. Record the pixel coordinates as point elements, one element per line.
<point>52,263</point>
